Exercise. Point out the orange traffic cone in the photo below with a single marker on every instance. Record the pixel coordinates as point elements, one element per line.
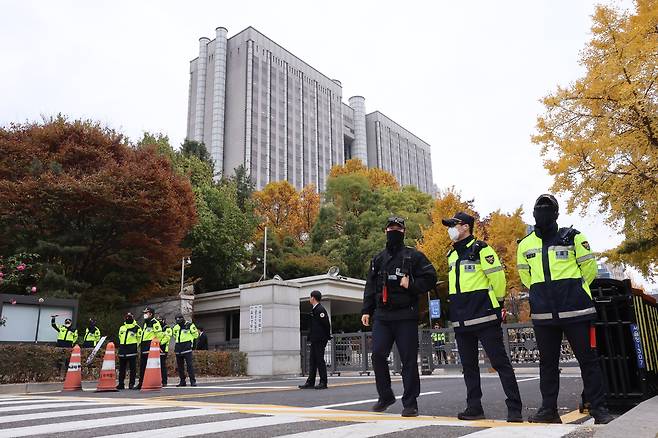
<point>73,381</point>
<point>108,379</point>
<point>152,375</point>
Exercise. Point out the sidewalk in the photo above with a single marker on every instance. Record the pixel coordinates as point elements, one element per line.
<point>639,422</point>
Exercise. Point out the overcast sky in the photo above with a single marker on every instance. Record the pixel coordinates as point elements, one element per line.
<point>464,76</point>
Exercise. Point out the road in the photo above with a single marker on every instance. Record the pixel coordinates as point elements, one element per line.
<point>275,407</point>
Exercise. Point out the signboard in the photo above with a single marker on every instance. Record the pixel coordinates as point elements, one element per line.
<point>256,318</point>
<point>95,350</point>
<point>638,346</point>
<point>435,309</point>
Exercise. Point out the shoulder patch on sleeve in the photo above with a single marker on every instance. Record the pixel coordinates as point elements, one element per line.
<point>490,259</point>
<point>586,245</point>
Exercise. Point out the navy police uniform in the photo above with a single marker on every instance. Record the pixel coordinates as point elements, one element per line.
<point>319,335</point>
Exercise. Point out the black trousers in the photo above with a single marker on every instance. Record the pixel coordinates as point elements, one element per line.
<point>405,335</point>
<point>317,363</point>
<point>131,361</point>
<point>491,338</point>
<point>181,361</point>
<point>163,368</point>
<point>142,366</point>
<point>549,342</point>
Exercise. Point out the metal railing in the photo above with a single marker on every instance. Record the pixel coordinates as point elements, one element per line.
<point>233,345</point>
<point>353,351</point>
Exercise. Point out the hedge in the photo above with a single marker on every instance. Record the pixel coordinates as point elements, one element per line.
<point>23,363</point>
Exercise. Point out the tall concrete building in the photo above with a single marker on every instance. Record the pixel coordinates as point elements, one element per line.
<point>253,103</point>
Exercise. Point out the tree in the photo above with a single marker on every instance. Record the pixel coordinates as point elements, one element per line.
<point>599,135</point>
<point>101,213</point>
<point>309,206</point>
<point>278,206</point>
<point>197,149</point>
<point>377,178</point>
<point>435,242</point>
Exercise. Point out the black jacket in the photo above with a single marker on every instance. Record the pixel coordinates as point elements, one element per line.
<point>201,343</point>
<point>390,266</point>
<point>320,325</point>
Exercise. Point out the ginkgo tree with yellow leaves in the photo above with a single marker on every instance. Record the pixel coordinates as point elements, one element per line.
<point>599,135</point>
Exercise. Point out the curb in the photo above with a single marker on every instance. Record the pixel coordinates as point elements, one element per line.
<point>639,422</point>
<point>27,388</point>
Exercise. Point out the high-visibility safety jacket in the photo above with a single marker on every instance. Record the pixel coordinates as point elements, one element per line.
<point>129,337</point>
<point>438,337</point>
<point>476,284</point>
<point>66,336</point>
<point>91,337</point>
<point>152,329</point>
<point>184,336</point>
<point>558,272</point>
<point>165,337</point>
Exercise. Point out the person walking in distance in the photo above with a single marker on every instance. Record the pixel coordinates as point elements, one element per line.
<point>319,335</point>
<point>397,276</point>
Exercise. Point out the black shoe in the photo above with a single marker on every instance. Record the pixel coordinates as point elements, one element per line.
<point>514,417</point>
<point>321,386</point>
<point>131,387</point>
<point>382,405</point>
<point>192,383</point>
<point>546,415</point>
<point>601,416</point>
<point>306,386</point>
<point>164,385</point>
<point>181,384</point>
<point>471,414</point>
<point>120,387</point>
<point>137,388</point>
<point>411,411</point>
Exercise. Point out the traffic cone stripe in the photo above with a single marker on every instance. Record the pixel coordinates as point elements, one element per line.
<point>108,364</point>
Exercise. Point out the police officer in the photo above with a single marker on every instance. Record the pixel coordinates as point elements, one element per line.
<point>184,334</point>
<point>476,288</point>
<point>557,265</point>
<point>165,337</point>
<point>129,335</point>
<point>319,335</point>
<point>92,335</point>
<point>152,329</point>
<point>66,334</point>
<point>396,277</point>
<point>439,342</point>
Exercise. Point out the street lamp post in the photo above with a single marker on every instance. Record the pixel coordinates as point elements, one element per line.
<point>184,261</point>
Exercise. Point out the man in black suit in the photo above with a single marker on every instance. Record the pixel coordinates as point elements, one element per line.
<point>201,343</point>
<point>319,335</point>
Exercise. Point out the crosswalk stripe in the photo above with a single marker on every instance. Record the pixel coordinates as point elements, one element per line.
<point>30,401</point>
<point>372,400</point>
<point>73,413</point>
<point>547,431</point>
<point>44,406</point>
<point>363,430</point>
<point>216,427</point>
<point>150,418</point>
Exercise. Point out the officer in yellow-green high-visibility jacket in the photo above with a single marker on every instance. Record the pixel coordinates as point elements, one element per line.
<point>557,265</point>
<point>184,334</point>
<point>477,290</point>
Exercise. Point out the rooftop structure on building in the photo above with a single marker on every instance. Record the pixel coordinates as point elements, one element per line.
<point>253,103</point>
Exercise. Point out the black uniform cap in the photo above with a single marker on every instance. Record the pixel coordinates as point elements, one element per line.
<point>459,218</point>
<point>394,220</point>
<point>149,310</point>
<point>547,200</point>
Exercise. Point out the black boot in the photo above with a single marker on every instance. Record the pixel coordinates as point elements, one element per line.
<point>382,405</point>
<point>601,415</point>
<point>514,417</point>
<point>307,385</point>
<point>546,415</point>
<point>321,386</point>
<point>410,411</point>
<point>471,413</point>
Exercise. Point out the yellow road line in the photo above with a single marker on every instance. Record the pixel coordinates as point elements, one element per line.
<point>573,416</point>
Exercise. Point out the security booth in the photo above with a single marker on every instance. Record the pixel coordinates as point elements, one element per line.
<point>26,318</point>
<point>626,341</point>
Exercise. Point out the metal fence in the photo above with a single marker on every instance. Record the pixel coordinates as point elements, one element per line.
<point>233,345</point>
<point>352,351</point>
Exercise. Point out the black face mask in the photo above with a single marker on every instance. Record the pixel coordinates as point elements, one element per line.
<point>180,321</point>
<point>129,320</point>
<point>394,239</point>
<point>545,218</point>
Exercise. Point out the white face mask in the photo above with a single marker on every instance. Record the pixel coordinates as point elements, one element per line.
<point>453,233</point>
<point>146,316</point>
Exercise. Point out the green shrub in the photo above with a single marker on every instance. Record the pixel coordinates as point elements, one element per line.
<point>23,363</point>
